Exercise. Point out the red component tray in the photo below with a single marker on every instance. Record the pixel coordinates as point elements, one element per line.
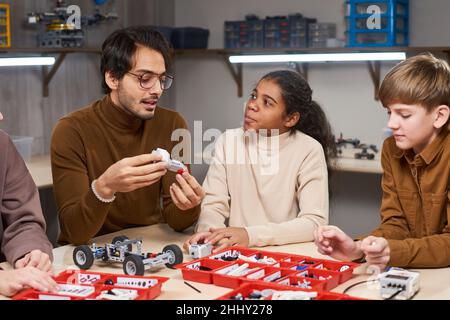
<point>331,280</point>
<point>191,270</point>
<point>294,265</point>
<point>31,294</point>
<point>222,279</point>
<point>269,274</point>
<point>81,285</point>
<point>343,269</point>
<point>336,296</point>
<point>274,255</point>
<point>229,252</point>
<point>291,264</point>
<point>287,265</point>
<point>303,261</point>
<point>293,281</point>
<point>247,288</point>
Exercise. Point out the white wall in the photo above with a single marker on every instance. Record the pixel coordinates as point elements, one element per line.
<point>430,23</point>
<point>205,90</point>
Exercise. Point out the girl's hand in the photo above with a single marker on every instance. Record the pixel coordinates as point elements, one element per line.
<point>230,236</point>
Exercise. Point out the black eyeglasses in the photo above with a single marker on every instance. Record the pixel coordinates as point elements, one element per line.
<point>148,79</point>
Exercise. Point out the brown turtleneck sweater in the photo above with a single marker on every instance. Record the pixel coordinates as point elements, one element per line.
<point>87,142</point>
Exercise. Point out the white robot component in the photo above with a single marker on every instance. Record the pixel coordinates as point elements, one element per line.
<point>176,166</point>
<point>163,153</point>
<point>396,279</point>
<point>173,165</point>
<point>200,250</point>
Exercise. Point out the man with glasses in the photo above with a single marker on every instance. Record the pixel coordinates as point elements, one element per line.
<point>105,177</point>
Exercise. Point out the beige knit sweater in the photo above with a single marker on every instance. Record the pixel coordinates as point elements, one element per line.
<point>275,187</point>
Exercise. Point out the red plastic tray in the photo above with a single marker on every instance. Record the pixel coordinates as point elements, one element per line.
<point>232,252</point>
<point>335,296</point>
<point>247,288</point>
<point>275,255</point>
<point>331,281</point>
<point>191,270</point>
<point>292,264</point>
<point>230,281</point>
<point>343,269</point>
<point>145,287</point>
<point>270,274</point>
<point>293,281</point>
<point>303,261</point>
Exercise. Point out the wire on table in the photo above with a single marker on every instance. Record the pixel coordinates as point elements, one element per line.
<point>190,285</point>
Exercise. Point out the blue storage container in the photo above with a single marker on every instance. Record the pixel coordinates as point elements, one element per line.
<point>319,33</point>
<point>377,23</point>
<point>276,32</point>
<point>165,31</point>
<point>231,36</point>
<point>251,34</point>
<point>273,32</point>
<point>298,27</point>
<point>244,34</point>
<point>190,38</point>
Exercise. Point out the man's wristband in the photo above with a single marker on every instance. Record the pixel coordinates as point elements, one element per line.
<point>100,197</point>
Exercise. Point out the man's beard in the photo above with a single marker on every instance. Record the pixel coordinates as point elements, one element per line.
<point>126,103</point>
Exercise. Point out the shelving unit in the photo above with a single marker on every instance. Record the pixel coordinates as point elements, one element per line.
<point>5,26</point>
<point>374,67</point>
<point>48,73</point>
<point>236,70</point>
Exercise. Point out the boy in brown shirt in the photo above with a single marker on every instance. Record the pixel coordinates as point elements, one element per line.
<point>415,208</point>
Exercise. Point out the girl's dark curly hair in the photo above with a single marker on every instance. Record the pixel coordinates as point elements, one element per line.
<point>297,97</point>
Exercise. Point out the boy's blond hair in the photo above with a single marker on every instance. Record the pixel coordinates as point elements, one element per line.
<point>419,80</point>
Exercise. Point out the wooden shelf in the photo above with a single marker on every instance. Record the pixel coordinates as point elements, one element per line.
<point>49,50</point>
<point>236,70</point>
<point>374,67</point>
<point>48,73</point>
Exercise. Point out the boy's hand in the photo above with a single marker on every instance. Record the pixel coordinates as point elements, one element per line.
<point>37,259</point>
<point>188,194</point>
<point>199,237</point>
<point>227,237</point>
<point>332,241</point>
<point>377,251</point>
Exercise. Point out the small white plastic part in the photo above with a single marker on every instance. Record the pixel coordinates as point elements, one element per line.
<point>173,165</point>
<point>200,250</point>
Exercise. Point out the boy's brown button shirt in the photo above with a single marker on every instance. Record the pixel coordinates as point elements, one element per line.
<point>415,208</point>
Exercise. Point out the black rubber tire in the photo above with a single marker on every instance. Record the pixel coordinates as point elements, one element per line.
<point>120,239</point>
<point>83,257</point>
<point>133,265</point>
<point>176,253</point>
